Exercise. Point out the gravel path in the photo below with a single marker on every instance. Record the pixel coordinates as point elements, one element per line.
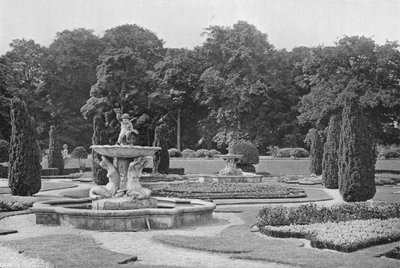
<point>141,243</point>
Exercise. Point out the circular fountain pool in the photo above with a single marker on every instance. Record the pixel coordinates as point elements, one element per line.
<point>77,213</point>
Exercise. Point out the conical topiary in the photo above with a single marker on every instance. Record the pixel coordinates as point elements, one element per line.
<point>357,158</point>
<point>55,159</point>
<point>330,161</point>
<point>24,174</point>
<point>316,151</point>
<point>99,137</point>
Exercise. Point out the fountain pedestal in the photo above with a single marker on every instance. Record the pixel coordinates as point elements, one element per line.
<point>123,191</point>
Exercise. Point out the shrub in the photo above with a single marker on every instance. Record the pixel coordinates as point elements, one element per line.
<point>357,157</point>
<point>79,153</point>
<point>248,150</point>
<point>24,175</point>
<point>4,151</point>
<point>173,152</point>
<point>55,159</point>
<point>330,165</point>
<point>188,153</point>
<point>291,152</point>
<point>202,153</point>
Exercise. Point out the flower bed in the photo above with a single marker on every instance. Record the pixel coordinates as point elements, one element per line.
<point>162,178</point>
<point>311,213</point>
<point>342,236</point>
<point>227,191</point>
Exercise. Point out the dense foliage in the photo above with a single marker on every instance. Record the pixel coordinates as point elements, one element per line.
<point>24,174</point>
<point>161,157</point>
<point>235,86</point>
<point>291,153</point>
<point>100,137</point>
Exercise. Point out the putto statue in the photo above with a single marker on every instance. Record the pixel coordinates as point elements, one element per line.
<point>126,134</point>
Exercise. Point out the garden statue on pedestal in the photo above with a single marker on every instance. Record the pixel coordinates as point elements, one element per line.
<point>125,135</point>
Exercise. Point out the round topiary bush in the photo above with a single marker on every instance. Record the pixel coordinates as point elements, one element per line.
<point>4,150</point>
<point>173,152</point>
<point>250,155</point>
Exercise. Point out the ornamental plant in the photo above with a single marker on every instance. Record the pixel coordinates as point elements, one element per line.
<point>55,159</point>
<point>250,155</point>
<point>357,156</point>
<point>330,165</point>
<point>24,176</point>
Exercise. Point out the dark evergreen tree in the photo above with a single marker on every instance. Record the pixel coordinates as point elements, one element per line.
<point>161,158</point>
<point>330,165</point>
<point>99,137</point>
<point>316,151</point>
<point>24,174</point>
<point>357,158</point>
<point>55,157</point>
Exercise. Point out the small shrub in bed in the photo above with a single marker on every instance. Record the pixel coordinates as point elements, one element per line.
<point>291,153</point>
<point>12,205</point>
<point>173,152</point>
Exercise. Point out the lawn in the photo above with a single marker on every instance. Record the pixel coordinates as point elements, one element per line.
<point>274,166</point>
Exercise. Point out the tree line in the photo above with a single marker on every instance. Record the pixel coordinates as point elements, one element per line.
<point>235,86</point>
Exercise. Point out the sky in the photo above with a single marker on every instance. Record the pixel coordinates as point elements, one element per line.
<point>179,23</point>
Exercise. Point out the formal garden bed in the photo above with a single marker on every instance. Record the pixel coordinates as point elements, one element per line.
<point>226,191</point>
<point>345,227</point>
<point>162,178</point>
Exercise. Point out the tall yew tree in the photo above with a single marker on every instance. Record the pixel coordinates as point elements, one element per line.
<point>357,158</point>
<point>55,159</point>
<point>330,161</point>
<point>24,174</point>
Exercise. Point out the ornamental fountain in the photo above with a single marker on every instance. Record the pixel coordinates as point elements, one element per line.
<point>123,204</point>
<point>231,174</point>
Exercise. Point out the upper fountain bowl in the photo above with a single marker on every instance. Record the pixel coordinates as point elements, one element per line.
<point>124,151</point>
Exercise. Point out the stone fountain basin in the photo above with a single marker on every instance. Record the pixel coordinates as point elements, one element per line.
<point>170,213</point>
<point>246,177</point>
<point>124,151</point>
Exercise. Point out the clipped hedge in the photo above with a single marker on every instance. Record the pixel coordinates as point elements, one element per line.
<point>291,153</point>
<point>390,154</point>
<point>311,213</point>
<point>188,153</point>
<point>342,236</point>
<point>50,172</point>
<point>202,153</point>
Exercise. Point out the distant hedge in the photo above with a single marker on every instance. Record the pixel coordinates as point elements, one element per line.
<point>291,152</point>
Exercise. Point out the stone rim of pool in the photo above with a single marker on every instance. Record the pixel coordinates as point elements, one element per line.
<point>170,213</point>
